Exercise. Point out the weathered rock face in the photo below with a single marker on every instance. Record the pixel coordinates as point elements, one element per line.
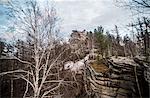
<point>78,39</point>
<point>121,81</point>
<point>146,65</point>
<point>124,78</point>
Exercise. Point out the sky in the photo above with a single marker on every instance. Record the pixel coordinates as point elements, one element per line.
<point>82,14</point>
<point>88,14</point>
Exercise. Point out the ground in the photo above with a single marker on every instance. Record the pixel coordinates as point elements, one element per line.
<point>99,68</point>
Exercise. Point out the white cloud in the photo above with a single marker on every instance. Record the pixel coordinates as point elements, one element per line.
<point>67,0</point>
<point>88,14</point>
<point>3,1</point>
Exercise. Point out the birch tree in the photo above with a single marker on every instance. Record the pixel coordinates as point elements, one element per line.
<point>39,25</point>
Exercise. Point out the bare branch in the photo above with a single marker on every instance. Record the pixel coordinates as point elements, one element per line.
<point>27,86</point>
<point>15,71</point>
<point>54,62</point>
<point>15,58</point>
<point>143,4</point>
<point>47,92</point>
<point>52,81</point>
<point>22,77</point>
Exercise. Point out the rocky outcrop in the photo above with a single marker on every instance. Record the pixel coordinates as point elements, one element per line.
<point>121,81</point>
<point>146,65</point>
<point>124,78</point>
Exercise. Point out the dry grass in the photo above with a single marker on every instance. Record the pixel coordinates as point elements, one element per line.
<point>99,68</point>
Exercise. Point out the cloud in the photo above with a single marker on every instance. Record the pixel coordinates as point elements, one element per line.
<point>67,0</point>
<point>3,1</point>
<point>88,14</point>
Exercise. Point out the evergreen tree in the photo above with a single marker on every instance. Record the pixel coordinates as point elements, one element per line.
<point>101,40</point>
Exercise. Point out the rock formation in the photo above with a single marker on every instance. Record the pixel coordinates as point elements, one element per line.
<point>121,81</point>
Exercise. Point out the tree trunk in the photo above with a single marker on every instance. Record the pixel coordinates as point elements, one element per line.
<point>12,88</point>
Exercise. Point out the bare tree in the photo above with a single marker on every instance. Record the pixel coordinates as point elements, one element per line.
<point>41,69</point>
<point>140,6</point>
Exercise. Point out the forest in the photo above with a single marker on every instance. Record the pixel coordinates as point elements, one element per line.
<point>96,63</point>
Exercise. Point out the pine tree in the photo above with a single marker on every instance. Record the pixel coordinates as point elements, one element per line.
<point>101,40</point>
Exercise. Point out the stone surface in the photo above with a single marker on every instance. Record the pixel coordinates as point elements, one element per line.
<point>119,81</point>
